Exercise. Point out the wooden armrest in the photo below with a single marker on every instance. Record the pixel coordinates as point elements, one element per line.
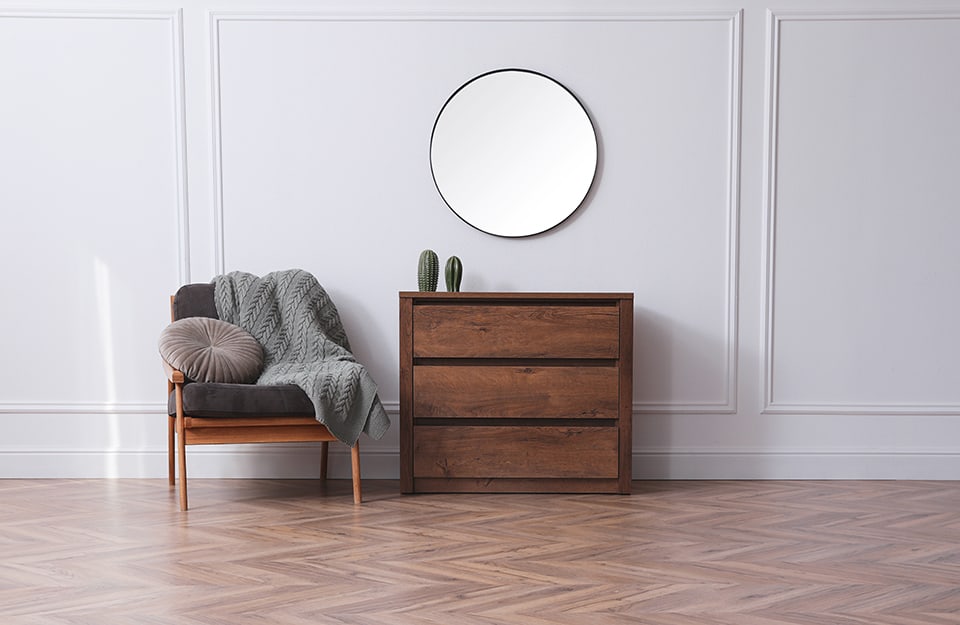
<point>175,376</point>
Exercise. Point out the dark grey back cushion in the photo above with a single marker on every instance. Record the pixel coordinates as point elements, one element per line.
<point>195,300</point>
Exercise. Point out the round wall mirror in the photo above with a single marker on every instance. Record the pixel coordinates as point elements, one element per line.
<point>513,153</point>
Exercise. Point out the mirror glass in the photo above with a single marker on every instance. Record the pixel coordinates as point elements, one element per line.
<point>513,153</point>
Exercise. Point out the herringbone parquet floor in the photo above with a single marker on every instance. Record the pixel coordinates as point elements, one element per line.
<point>674,553</point>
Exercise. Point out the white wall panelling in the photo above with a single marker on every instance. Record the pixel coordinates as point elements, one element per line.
<point>282,142</point>
<point>777,187</point>
<point>861,299</point>
<point>94,199</point>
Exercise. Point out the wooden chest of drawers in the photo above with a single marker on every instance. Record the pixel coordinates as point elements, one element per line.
<point>515,392</point>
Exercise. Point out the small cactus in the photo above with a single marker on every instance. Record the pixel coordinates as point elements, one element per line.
<point>453,273</point>
<point>428,270</point>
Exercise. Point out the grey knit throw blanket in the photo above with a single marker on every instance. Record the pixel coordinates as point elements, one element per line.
<point>304,343</point>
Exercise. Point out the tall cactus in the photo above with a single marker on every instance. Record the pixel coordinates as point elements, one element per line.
<point>428,270</point>
<point>453,273</point>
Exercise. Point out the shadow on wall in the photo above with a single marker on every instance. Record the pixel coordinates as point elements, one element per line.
<point>369,345</point>
<point>677,372</point>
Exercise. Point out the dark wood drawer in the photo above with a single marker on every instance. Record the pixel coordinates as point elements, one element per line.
<point>515,331</point>
<point>515,452</point>
<point>587,392</point>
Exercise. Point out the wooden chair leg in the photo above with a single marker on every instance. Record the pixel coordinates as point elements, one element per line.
<point>355,470</point>
<point>171,468</point>
<point>181,448</point>
<point>324,451</point>
<point>182,452</point>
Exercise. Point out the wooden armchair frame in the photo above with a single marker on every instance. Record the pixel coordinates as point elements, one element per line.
<point>183,430</point>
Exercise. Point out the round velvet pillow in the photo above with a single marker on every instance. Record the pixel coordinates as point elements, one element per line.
<point>211,350</point>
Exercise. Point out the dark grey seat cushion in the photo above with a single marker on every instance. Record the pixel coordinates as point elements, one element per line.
<point>202,399</point>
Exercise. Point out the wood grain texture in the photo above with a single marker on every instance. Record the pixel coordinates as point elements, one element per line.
<point>505,391</point>
<point>625,394</point>
<point>541,485</point>
<point>406,394</point>
<point>515,451</point>
<point>112,552</point>
<point>491,330</point>
<point>498,390</point>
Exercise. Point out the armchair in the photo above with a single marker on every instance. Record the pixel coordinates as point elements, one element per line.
<point>202,413</point>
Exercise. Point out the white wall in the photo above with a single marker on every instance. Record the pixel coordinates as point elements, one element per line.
<point>777,187</point>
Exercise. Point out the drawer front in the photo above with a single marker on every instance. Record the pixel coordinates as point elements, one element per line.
<point>506,391</point>
<point>514,452</point>
<point>515,331</point>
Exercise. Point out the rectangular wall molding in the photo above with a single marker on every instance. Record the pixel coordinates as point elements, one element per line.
<point>770,405</point>
<point>91,408</point>
<point>174,19</point>
<point>179,205</point>
<point>727,404</point>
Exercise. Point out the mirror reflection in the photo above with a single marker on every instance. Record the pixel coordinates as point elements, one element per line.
<point>513,153</point>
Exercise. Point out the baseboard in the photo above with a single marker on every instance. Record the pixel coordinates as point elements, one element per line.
<point>299,461</point>
<point>795,465</point>
<point>281,461</point>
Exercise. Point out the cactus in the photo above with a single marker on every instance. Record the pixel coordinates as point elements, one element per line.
<point>453,273</point>
<point>428,270</point>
